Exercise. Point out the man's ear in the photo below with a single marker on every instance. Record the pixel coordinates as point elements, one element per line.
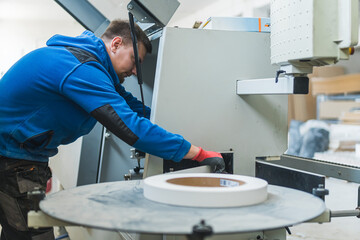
<point>116,43</point>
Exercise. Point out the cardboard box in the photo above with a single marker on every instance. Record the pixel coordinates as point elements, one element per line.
<point>329,110</point>
<point>336,85</point>
<point>350,117</point>
<point>327,71</point>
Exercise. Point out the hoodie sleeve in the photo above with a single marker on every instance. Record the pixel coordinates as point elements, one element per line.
<point>133,102</point>
<point>92,89</point>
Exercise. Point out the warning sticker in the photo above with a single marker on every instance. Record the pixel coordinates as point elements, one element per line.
<point>228,183</point>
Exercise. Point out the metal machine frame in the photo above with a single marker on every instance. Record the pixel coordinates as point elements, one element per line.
<point>329,169</point>
<point>86,14</point>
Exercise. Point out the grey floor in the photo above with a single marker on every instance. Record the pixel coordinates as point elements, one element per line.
<point>343,196</point>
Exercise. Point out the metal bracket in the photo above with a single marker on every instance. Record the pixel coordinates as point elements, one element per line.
<point>320,191</point>
<point>36,196</point>
<point>138,155</point>
<point>324,217</point>
<point>152,16</point>
<point>283,85</point>
<point>136,172</point>
<point>200,231</point>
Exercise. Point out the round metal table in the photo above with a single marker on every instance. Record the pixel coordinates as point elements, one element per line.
<point>121,206</point>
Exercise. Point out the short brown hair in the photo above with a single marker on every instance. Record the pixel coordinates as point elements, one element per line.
<point>121,28</point>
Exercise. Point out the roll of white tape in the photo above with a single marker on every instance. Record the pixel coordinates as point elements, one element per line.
<point>205,189</point>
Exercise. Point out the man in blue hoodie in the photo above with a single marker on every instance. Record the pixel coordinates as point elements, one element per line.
<point>56,94</point>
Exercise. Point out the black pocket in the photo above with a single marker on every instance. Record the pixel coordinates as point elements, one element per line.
<point>23,178</point>
<point>38,141</point>
<point>31,177</point>
<point>28,180</point>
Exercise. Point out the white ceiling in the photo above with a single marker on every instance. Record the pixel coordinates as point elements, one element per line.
<point>34,9</point>
<point>50,10</point>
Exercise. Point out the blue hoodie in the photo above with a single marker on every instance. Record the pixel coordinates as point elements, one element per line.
<point>53,96</point>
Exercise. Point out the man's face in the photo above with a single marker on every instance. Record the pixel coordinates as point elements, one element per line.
<point>123,59</point>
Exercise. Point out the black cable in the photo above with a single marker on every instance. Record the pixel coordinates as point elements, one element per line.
<point>142,100</point>
<point>137,62</point>
<point>277,75</point>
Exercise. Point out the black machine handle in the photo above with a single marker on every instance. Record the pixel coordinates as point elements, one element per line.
<point>136,55</point>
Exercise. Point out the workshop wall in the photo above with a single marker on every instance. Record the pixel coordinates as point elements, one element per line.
<point>29,26</point>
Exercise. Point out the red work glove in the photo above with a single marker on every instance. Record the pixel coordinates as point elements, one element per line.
<point>213,159</point>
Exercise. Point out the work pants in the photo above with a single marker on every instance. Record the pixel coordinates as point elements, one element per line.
<point>17,177</point>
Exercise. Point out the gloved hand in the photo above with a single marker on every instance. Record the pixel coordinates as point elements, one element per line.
<point>213,159</point>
